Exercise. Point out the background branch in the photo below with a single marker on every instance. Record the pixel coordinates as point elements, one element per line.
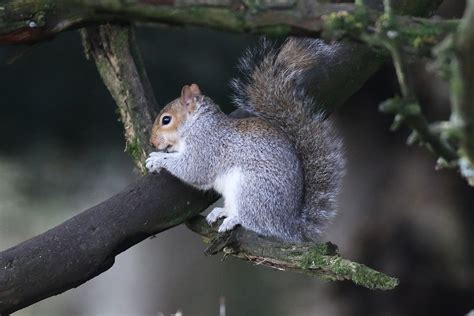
<point>452,44</point>
<point>456,58</point>
<point>407,109</point>
<point>116,55</point>
<point>35,20</point>
<point>463,100</point>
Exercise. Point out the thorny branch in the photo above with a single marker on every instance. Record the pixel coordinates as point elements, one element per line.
<point>407,109</point>
<point>456,63</point>
<point>451,141</point>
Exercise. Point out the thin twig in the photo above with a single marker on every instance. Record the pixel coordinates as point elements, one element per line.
<point>407,109</point>
<point>462,89</point>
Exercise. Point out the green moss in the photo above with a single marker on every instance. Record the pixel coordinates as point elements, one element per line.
<point>120,41</point>
<point>334,267</point>
<point>256,5</point>
<point>273,30</point>
<point>221,18</point>
<point>135,150</point>
<point>423,34</point>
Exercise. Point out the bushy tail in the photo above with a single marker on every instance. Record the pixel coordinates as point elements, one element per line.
<point>272,87</point>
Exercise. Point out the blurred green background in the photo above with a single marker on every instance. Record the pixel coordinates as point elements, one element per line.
<point>61,151</point>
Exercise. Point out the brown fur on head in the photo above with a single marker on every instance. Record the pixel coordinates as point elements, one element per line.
<point>165,133</point>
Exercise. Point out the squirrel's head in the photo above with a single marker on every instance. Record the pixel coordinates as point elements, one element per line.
<point>165,134</point>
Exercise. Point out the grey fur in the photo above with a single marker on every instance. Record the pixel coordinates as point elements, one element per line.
<point>290,159</point>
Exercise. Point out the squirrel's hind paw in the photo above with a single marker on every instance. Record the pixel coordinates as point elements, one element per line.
<point>215,214</point>
<point>228,224</point>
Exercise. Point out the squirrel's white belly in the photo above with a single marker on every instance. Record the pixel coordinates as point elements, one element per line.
<point>228,185</point>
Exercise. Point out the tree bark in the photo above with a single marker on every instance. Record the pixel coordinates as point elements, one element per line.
<point>321,260</point>
<point>119,63</point>
<point>34,20</point>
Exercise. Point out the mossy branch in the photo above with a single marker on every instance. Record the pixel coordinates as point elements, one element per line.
<point>415,36</point>
<point>451,44</point>
<point>454,141</point>
<point>34,20</point>
<point>462,90</point>
<point>407,109</point>
<point>321,260</point>
<point>118,61</point>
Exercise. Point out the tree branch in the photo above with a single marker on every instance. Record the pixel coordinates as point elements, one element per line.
<point>34,20</point>
<point>464,95</point>
<point>407,109</point>
<point>452,141</point>
<point>86,245</point>
<point>453,44</point>
<point>321,260</point>
<point>116,55</point>
<point>458,50</point>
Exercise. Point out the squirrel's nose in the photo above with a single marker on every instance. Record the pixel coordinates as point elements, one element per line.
<point>153,142</point>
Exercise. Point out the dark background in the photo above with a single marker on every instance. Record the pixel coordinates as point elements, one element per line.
<point>61,151</point>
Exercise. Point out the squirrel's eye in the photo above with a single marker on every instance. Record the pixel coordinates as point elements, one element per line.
<point>166,120</point>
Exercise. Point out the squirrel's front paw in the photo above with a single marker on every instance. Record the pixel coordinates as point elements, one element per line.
<point>155,161</point>
<point>228,224</point>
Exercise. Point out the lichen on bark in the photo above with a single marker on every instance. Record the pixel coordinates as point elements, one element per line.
<point>119,65</point>
<point>321,260</point>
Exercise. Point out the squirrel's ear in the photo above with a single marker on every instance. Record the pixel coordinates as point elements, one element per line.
<point>195,89</point>
<point>188,93</point>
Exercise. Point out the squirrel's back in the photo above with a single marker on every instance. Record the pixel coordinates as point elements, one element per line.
<point>272,87</point>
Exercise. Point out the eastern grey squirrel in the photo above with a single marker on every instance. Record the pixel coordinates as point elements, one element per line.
<point>280,171</point>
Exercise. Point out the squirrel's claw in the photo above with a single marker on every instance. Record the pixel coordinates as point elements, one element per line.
<point>228,224</point>
<point>215,214</point>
